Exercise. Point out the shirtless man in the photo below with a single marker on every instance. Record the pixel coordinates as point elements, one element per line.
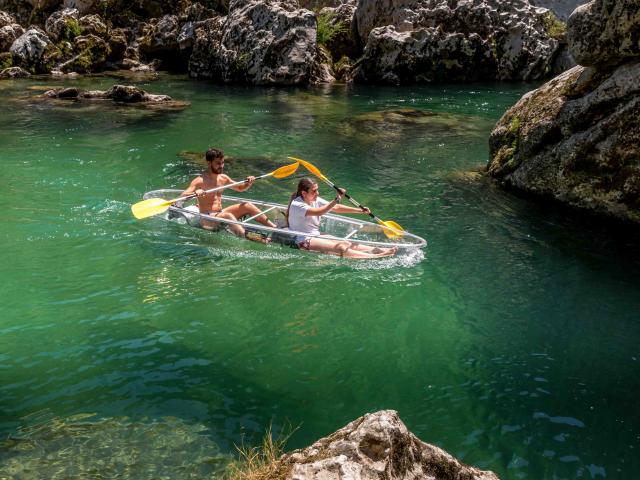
<point>211,203</point>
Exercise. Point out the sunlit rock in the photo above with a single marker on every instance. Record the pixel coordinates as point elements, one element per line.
<point>376,446</point>
<point>575,139</point>
<point>605,32</point>
<point>259,42</point>
<point>63,24</point>
<point>411,41</point>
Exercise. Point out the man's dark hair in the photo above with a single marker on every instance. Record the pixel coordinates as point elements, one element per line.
<point>214,153</point>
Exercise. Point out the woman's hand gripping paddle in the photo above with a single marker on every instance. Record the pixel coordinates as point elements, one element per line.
<point>391,229</point>
<point>154,206</point>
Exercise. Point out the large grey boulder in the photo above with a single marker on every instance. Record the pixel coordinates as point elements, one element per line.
<point>605,32</point>
<point>373,447</point>
<point>408,41</point>
<point>575,139</point>
<point>260,42</point>
<point>30,46</point>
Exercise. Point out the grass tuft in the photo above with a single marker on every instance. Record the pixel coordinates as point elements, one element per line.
<point>326,30</point>
<point>261,462</point>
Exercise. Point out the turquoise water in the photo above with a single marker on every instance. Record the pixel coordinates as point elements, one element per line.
<point>511,341</point>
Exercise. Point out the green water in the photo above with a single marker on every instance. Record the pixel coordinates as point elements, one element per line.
<point>511,341</point>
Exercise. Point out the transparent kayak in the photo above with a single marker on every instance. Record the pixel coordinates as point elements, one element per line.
<point>332,226</point>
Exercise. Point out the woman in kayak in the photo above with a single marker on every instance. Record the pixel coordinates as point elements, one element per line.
<point>304,212</point>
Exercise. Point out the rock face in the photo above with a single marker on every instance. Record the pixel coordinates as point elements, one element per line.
<point>373,447</point>
<point>259,42</point>
<point>575,139</point>
<point>561,8</point>
<point>605,32</point>
<point>409,41</point>
<point>121,94</point>
<point>30,47</point>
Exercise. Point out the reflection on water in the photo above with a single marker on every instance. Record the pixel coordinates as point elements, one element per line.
<point>84,446</point>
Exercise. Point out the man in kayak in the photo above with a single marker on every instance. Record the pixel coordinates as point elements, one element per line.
<point>211,203</point>
<point>304,212</point>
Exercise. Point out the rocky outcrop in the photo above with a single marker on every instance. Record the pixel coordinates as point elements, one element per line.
<point>376,446</point>
<point>122,94</point>
<point>9,31</point>
<point>63,24</point>
<point>32,50</point>
<point>14,72</point>
<point>575,139</point>
<point>259,42</point>
<point>409,41</point>
<point>605,32</point>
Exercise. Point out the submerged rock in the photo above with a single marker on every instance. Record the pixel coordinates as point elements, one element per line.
<point>14,72</point>
<point>575,139</point>
<point>373,447</point>
<point>409,122</point>
<point>123,94</point>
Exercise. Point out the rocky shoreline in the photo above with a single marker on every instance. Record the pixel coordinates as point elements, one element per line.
<point>287,42</point>
<point>575,139</point>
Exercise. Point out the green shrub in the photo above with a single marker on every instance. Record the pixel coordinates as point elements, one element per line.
<point>71,29</point>
<point>326,30</point>
<point>554,27</point>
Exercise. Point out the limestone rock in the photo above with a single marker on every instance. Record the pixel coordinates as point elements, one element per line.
<point>160,36</point>
<point>408,41</point>
<point>261,42</point>
<point>30,47</point>
<point>63,24</point>
<point>91,53</point>
<point>14,72</point>
<point>575,138</point>
<point>605,32</point>
<point>92,24</point>
<point>6,19</point>
<point>121,94</point>
<point>373,447</point>
<point>8,34</point>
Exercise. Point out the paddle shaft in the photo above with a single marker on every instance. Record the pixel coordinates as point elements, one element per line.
<point>352,200</point>
<point>211,190</point>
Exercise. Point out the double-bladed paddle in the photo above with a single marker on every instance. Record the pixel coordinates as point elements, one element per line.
<point>391,230</point>
<point>153,206</point>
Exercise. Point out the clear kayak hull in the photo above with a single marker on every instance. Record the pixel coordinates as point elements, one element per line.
<point>332,226</point>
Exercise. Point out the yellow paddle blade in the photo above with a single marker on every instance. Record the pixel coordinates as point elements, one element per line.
<point>393,231</point>
<point>311,167</point>
<point>285,171</point>
<point>150,207</point>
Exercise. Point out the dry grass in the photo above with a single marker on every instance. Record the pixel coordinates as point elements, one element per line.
<point>261,462</point>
